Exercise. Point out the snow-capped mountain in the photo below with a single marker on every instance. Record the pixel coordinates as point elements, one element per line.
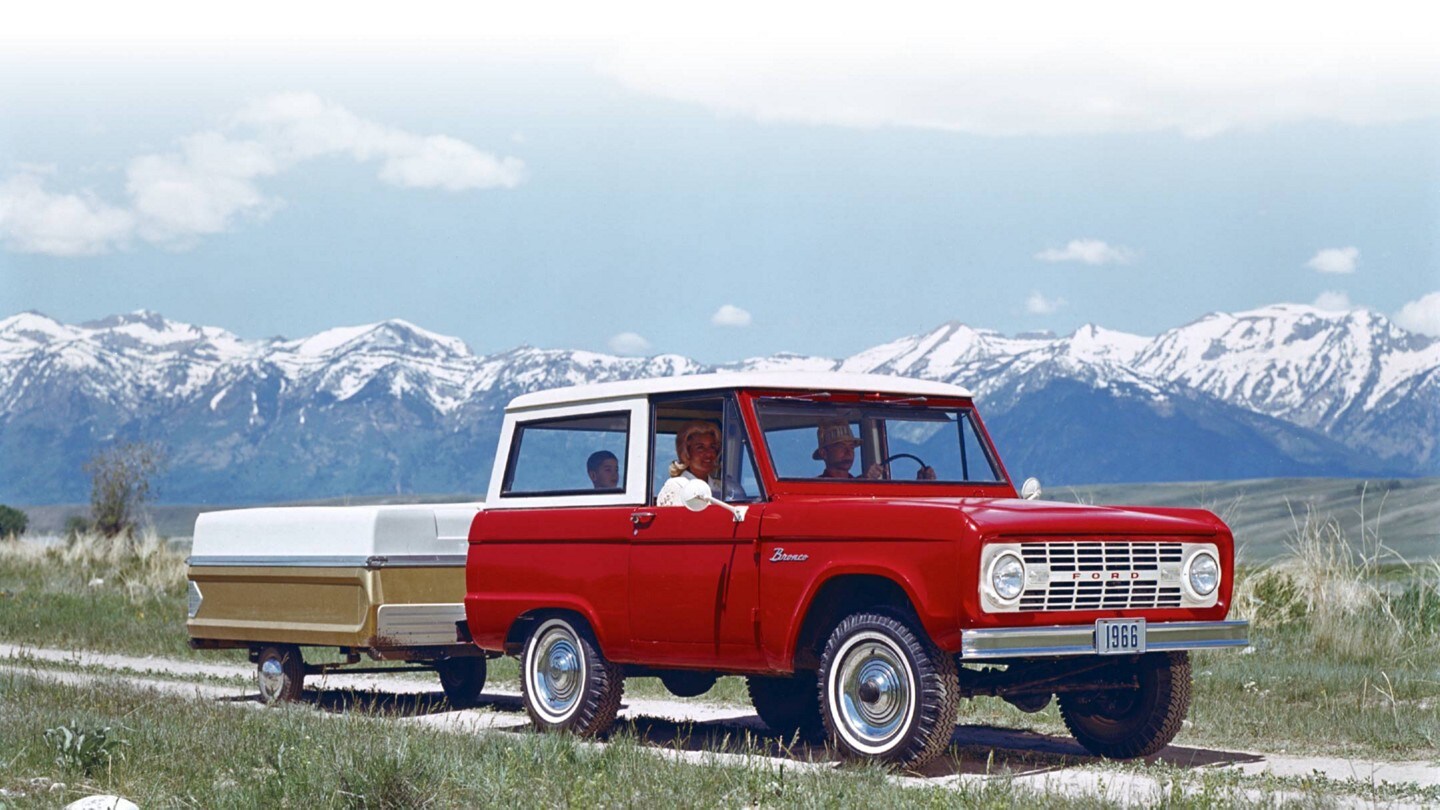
<point>391,407</point>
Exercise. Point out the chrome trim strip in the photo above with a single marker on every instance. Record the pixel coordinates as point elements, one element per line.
<point>417,561</point>
<point>1017,642</point>
<point>374,561</point>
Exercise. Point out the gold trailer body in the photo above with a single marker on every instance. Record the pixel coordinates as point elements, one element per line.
<point>387,582</point>
<point>391,610</point>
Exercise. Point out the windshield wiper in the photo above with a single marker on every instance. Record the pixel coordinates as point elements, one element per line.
<point>800,397</point>
<point>899,400</point>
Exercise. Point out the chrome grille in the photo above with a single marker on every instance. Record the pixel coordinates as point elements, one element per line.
<point>1100,576</point>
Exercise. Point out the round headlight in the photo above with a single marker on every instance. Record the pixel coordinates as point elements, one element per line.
<point>1007,576</point>
<point>1204,573</point>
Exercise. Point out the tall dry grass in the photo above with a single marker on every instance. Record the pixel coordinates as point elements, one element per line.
<point>1351,600</point>
<point>143,567</point>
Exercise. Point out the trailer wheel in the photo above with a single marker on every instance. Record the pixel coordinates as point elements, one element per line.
<point>566,683</point>
<point>1129,723</point>
<point>280,673</point>
<point>462,679</point>
<point>886,692</point>
<point>790,706</point>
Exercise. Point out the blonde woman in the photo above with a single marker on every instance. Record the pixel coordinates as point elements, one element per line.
<point>697,450</point>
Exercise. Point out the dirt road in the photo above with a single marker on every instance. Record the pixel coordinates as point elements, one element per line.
<point>690,730</point>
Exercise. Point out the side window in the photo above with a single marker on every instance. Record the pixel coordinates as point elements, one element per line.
<point>670,419</point>
<point>741,483</point>
<point>733,478</point>
<point>571,455</point>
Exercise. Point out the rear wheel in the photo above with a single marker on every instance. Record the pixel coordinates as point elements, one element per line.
<point>462,679</point>
<point>280,673</point>
<point>790,706</point>
<point>566,683</point>
<point>887,692</point>
<point>1128,723</point>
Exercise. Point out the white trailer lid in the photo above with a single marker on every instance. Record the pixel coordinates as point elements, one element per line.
<point>344,534</point>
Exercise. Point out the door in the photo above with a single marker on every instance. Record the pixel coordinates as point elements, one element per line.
<point>693,580</point>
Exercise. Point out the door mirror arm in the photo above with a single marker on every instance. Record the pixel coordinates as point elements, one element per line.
<point>697,495</point>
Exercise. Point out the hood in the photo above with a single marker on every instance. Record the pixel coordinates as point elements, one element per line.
<point>1013,516</point>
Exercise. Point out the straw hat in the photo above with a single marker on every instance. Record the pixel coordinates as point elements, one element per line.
<point>829,433</point>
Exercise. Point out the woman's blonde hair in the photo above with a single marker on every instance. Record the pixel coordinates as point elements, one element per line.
<point>682,451</point>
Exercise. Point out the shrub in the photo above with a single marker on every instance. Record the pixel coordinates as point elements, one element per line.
<point>12,522</point>
<point>87,749</point>
<point>120,483</point>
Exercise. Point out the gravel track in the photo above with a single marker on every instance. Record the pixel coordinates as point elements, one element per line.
<point>693,731</point>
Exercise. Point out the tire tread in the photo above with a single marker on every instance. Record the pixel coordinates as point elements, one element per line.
<point>603,690</point>
<point>1157,731</point>
<point>938,689</point>
<point>788,706</point>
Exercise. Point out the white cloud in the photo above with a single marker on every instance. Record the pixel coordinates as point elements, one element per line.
<point>1040,73</point>
<point>1334,301</point>
<point>33,220</point>
<point>1043,67</point>
<point>629,343</point>
<point>199,190</point>
<point>210,181</point>
<point>1335,260</point>
<point>1038,304</point>
<point>300,126</point>
<point>1087,251</point>
<point>730,315</point>
<point>1422,315</point>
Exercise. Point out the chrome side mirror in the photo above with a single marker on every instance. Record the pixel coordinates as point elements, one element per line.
<point>1030,490</point>
<point>697,495</point>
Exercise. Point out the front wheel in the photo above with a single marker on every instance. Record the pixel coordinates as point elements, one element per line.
<point>462,679</point>
<point>566,683</point>
<point>886,691</point>
<point>1128,723</point>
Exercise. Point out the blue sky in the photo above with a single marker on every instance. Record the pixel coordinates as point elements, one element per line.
<point>715,195</point>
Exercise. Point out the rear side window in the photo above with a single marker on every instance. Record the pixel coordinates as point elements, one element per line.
<point>573,455</point>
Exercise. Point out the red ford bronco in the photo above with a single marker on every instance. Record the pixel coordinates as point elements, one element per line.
<point>851,544</point>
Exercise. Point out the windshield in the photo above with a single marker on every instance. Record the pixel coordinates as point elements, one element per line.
<point>891,442</point>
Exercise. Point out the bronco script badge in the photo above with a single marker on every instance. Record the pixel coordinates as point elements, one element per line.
<point>781,556</point>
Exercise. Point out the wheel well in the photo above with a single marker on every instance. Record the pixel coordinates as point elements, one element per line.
<point>838,598</point>
<point>524,625</point>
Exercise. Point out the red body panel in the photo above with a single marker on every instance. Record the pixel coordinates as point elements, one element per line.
<point>667,587</point>
<point>524,559</point>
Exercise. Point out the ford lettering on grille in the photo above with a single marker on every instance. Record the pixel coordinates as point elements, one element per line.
<point>1089,575</point>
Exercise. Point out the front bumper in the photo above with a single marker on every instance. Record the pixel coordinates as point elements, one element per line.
<point>1026,642</point>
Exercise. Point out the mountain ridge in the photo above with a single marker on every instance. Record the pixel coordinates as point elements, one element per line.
<point>392,407</point>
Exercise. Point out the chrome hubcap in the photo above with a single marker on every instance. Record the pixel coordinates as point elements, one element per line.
<point>558,675</point>
<point>873,692</point>
<point>272,677</point>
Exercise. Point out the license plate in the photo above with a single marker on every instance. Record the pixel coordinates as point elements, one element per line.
<point>1119,636</point>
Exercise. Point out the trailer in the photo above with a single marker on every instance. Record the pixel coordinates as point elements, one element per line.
<point>384,583</point>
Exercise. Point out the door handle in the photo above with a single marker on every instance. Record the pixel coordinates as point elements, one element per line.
<point>641,519</point>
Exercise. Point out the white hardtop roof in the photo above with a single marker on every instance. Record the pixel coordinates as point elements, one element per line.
<point>804,380</point>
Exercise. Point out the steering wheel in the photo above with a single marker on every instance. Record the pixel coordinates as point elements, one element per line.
<point>910,456</point>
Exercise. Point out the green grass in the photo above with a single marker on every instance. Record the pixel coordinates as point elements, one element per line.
<point>164,751</point>
<point>190,753</point>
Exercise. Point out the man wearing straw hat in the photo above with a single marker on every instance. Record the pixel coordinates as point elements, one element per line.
<point>836,447</point>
